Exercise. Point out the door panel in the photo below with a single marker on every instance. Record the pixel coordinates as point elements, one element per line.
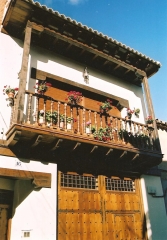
<point>99,213</point>
<point>3,221</point>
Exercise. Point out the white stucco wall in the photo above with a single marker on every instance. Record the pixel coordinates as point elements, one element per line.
<point>154,208</point>
<point>34,209</point>
<point>163,141</point>
<point>57,65</point>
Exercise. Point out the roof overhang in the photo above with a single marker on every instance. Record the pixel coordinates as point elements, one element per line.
<point>66,37</point>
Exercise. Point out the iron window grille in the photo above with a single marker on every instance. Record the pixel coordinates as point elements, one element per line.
<point>120,185</point>
<point>78,181</point>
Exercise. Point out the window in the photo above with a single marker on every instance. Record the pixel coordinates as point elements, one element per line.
<point>26,234</point>
<point>120,185</point>
<point>78,181</point>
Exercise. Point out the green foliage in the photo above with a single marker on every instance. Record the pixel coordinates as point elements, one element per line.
<point>51,116</point>
<point>102,134</point>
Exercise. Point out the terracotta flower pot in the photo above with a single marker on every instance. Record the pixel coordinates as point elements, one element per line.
<point>10,95</point>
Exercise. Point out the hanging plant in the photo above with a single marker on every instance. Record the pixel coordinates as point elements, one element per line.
<point>42,87</point>
<point>105,106</point>
<point>10,91</point>
<point>74,97</point>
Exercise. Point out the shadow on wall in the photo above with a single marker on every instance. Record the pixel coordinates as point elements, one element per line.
<point>22,189</point>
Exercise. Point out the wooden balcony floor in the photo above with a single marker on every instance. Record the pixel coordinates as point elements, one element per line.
<point>79,152</point>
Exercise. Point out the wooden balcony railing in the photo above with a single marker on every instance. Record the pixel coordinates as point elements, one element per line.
<point>100,127</point>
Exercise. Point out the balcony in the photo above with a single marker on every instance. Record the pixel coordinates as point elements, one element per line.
<point>91,141</point>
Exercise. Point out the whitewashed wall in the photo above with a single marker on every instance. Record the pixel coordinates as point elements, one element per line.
<point>34,209</point>
<point>54,64</point>
<point>163,141</point>
<point>154,208</point>
<point>10,63</point>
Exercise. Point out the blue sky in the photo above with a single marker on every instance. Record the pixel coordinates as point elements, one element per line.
<point>140,24</point>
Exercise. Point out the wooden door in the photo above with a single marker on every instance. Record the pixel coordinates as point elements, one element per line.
<point>99,208</point>
<point>4,209</point>
<point>6,200</point>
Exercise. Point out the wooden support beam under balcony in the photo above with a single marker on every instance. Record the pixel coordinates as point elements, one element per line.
<point>79,151</point>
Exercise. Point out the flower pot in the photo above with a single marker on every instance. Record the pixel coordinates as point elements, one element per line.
<point>73,102</point>
<point>68,126</point>
<point>61,124</point>
<point>48,124</point>
<point>87,130</point>
<point>128,118</point>
<point>40,120</point>
<point>150,125</point>
<point>10,95</point>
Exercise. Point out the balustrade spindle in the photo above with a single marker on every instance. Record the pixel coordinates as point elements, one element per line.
<point>134,128</point>
<point>90,121</point>
<point>72,122</point>
<point>116,125</point>
<point>36,111</point>
<point>112,128</point>
<point>13,109</point>
<point>29,108</point>
<point>44,108</point>
<point>51,112</point>
<point>95,119</point>
<point>101,121</point>
<point>78,120</point>
<point>84,130</point>
<point>58,114</point>
<point>65,116</point>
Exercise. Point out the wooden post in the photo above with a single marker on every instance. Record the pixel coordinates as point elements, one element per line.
<point>150,109</point>
<point>18,117</point>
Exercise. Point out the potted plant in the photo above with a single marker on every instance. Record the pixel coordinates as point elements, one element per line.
<point>129,114</point>
<point>124,134</point>
<point>74,97</point>
<point>102,134</point>
<point>88,124</point>
<point>149,122</point>
<point>69,121</point>
<point>41,116</point>
<point>61,119</point>
<point>42,87</point>
<point>9,91</point>
<point>51,117</point>
<point>105,106</point>
<point>137,112</point>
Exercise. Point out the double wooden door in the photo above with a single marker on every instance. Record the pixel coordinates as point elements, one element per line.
<point>99,208</point>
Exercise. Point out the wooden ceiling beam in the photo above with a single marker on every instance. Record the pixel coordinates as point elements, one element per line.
<point>115,68</point>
